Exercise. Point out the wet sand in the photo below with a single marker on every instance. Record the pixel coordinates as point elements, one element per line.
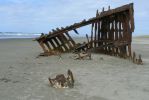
<point>25,77</point>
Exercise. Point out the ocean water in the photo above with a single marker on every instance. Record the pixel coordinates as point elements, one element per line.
<point>9,35</point>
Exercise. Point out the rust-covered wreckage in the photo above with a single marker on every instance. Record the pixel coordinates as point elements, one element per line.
<point>111,33</point>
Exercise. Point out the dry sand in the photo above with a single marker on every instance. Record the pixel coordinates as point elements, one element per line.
<point>24,77</point>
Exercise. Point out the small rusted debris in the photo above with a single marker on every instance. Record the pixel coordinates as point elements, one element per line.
<point>60,81</point>
<point>83,55</point>
<point>81,48</point>
<point>140,60</point>
<point>134,57</point>
<point>136,60</point>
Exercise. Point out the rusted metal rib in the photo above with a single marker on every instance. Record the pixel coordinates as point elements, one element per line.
<point>111,31</point>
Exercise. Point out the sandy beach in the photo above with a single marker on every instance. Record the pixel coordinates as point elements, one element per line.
<point>25,77</point>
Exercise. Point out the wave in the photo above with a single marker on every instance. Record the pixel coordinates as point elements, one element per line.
<point>5,35</point>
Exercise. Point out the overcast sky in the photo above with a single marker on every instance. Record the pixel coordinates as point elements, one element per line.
<point>43,15</point>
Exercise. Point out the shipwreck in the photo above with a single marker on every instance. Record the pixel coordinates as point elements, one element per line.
<point>111,33</point>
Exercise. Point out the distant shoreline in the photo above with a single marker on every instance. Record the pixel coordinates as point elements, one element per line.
<point>20,35</point>
<point>141,36</point>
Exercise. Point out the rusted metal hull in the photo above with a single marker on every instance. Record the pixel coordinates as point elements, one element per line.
<point>111,33</point>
